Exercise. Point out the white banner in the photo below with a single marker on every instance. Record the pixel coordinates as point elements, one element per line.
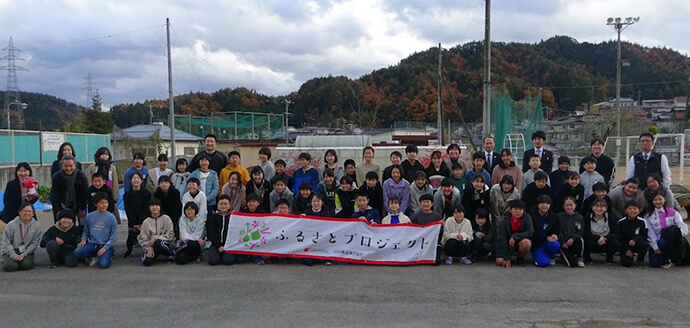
<point>349,240</point>
<point>52,141</point>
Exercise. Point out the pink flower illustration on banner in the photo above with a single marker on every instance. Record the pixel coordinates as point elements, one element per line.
<point>263,240</point>
<point>254,234</point>
<point>255,224</point>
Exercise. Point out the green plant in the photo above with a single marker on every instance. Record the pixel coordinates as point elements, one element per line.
<point>44,194</point>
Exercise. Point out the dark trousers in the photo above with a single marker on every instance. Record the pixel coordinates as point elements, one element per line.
<point>132,235</point>
<point>672,248</point>
<point>456,248</point>
<point>160,247</point>
<point>612,246</point>
<point>572,253</point>
<point>214,257</point>
<point>61,254</point>
<point>480,247</point>
<point>189,253</point>
<point>640,248</point>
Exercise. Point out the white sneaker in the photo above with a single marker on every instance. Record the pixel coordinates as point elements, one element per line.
<point>94,261</point>
<point>449,261</point>
<point>580,263</point>
<point>552,262</point>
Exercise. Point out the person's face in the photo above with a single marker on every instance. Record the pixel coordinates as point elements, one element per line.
<point>102,205</point>
<point>27,213</point>
<point>544,207</point>
<point>192,187</point>
<point>541,183</point>
<point>280,187</point>
<point>630,189</point>
<point>282,209</point>
<point>478,184</point>
<point>436,160</point>
<point>210,144</point>
<point>506,159</point>
<point>190,212</point>
<point>303,162</point>
<point>420,182</point>
<point>138,162</point>
<point>263,157</point>
<point>371,183</point>
<point>203,163</point>
<point>394,206</point>
<point>507,187</point>
<point>534,163</point>
<point>488,144</point>
<point>67,151</point>
<point>426,205</point>
<point>252,205</point>
<point>457,173</point>
<point>155,210</point>
<point>658,201</point>
<point>569,206</point>
<point>164,164</point>
<point>22,173</point>
<point>66,223</point>
<point>395,159</point>
<point>454,153</point>
<point>234,181</point>
<point>517,212</point>
<point>447,190</point>
<point>97,182</point>
<point>316,204</point>
<point>646,144</point>
<point>68,167</point>
<point>368,154</point>
<point>280,169</point>
<point>330,159</point>
<point>258,177</point>
<point>182,167</point>
<point>600,193</point>
<point>164,185</point>
<point>478,163</point>
<point>632,211</point>
<point>538,142</point>
<point>573,182</point>
<point>395,174</point>
<point>345,186</point>
<point>328,179</point>
<point>599,209</point>
<point>565,166</point>
<point>597,149</point>
<point>362,202</point>
<point>350,169</point>
<point>234,160</point>
<point>135,181</point>
<point>458,216</point>
<point>105,156</point>
<point>590,167</point>
<point>480,221</point>
<point>652,184</point>
<point>305,193</point>
<point>223,205</point>
<point>411,156</point>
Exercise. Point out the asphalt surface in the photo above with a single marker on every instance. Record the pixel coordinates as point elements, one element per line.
<point>343,295</point>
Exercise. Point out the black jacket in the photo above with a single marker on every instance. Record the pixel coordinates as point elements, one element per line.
<point>632,230</point>
<point>266,199</point>
<point>375,196</point>
<point>409,170</point>
<point>171,203</point>
<point>289,181</point>
<point>587,204</point>
<point>300,205</point>
<point>105,189</point>
<point>557,180</point>
<point>543,227</point>
<point>504,234</point>
<point>137,206</point>
<point>577,192</point>
<point>471,205</point>
<point>570,226</point>
<point>431,170</point>
<point>531,192</point>
<point>495,160</point>
<point>324,212</point>
<point>12,199</point>
<point>217,229</point>
<point>605,167</point>
<point>546,160</point>
<point>57,192</point>
<point>71,237</point>
<point>218,162</point>
<point>610,220</point>
<point>56,167</point>
<point>347,202</point>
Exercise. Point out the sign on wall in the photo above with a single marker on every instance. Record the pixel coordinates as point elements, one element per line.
<point>52,141</point>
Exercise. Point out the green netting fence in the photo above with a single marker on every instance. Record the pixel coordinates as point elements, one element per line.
<point>515,117</point>
<point>234,125</point>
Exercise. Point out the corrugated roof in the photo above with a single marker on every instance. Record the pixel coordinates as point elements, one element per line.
<point>143,131</point>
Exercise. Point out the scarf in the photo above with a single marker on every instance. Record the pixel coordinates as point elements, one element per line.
<point>69,202</point>
<point>104,167</point>
<point>260,189</point>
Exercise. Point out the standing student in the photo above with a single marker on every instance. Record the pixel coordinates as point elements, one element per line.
<point>157,235</point>
<point>318,207</point>
<point>208,182</point>
<point>453,151</point>
<point>633,230</point>
<point>570,231</point>
<point>61,240</point>
<point>138,166</point>
<point>171,203</point>
<point>194,194</point>
<point>457,235</point>
<point>367,166</point>
<point>192,235</point>
<point>418,188</point>
<point>545,242</point>
<point>280,166</point>
<point>136,202</point>
<point>234,165</point>
<point>411,165</point>
<point>601,232</point>
<point>103,163</point>
<point>217,230</point>
<point>266,164</point>
<point>446,199</point>
<point>529,176</point>
<point>572,188</point>
<point>98,185</point>
<point>501,194</point>
<point>514,232</point>
<point>605,165</point>
<point>156,173</point>
<point>327,188</point>
<point>330,159</point>
<point>483,241</point>
<point>589,177</point>
<point>351,171</point>
<point>647,161</point>
<point>236,191</point>
<point>20,240</point>
<point>302,199</point>
<point>394,215</point>
<point>558,177</point>
<point>69,189</point>
<point>100,234</point>
<point>180,177</point>
<point>458,177</point>
<point>599,191</point>
<point>478,168</point>
<point>538,187</point>
<point>666,234</point>
<point>345,198</point>
<point>305,173</point>
<point>372,187</point>
<point>507,167</point>
<point>280,191</point>
<point>365,212</point>
<point>396,187</point>
<point>476,196</point>
<point>396,159</point>
<point>66,149</point>
<point>545,156</point>
<point>437,167</point>
<point>14,194</point>
<point>218,160</point>
<point>261,187</point>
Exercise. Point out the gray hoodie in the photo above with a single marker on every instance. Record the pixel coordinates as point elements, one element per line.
<point>415,193</point>
<point>13,237</point>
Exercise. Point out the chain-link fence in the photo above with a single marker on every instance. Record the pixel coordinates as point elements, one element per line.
<point>35,147</point>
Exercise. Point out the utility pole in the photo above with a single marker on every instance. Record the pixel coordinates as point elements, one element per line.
<point>171,103</point>
<point>88,85</point>
<point>486,126</point>
<point>439,118</point>
<point>287,112</point>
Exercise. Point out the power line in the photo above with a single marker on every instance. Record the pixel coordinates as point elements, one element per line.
<point>187,57</point>
<point>94,39</point>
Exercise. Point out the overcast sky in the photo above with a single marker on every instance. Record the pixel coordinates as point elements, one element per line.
<point>273,46</point>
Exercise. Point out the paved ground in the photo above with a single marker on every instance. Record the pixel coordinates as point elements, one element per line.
<point>344,295</point>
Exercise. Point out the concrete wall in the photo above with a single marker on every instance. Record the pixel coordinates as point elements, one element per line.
<point>40,173</point>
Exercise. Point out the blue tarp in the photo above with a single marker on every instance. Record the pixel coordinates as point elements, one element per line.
<point>38,206</point>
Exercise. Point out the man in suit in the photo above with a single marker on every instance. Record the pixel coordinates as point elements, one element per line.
<point>647,161</point>
<point>491,158</point>
<point>538,138</point>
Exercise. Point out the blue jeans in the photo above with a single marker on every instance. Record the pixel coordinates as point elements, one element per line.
<point>545,252</point>
<point>657,260</point>
<point>90,250</point>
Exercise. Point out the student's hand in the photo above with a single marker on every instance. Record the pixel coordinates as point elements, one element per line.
<point>361,218</point>
<point>100,252</point>
<point>480,235</point>
<point>551,238</point>
<point>151,243</point>
<point>657,251</point>
<point>511,242</point>
<point>59,241</point>
<point>82,243</point>
<point>570,242</point>
<point>221,249</point>
<point>506,264</point>
<point>81,214</point>
<point>201,242</point>
<point>150,254</point>
<point>631,243</point>
<point>460,238</point>
<point>601,241</point>
<point>629,253</point>
<point>564,246</point>
<point>138,227</point>
<point>18,257</point>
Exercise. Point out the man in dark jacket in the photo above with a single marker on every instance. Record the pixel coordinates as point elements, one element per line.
<point>70,189</point>
<point>218,160</point>
<point>61,239</point>
<point>605,165</point>
<point>514,233</point>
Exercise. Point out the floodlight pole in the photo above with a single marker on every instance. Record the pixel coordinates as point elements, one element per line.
<point>287,112</point>
<point>171,103</point>
<point>486,125</point>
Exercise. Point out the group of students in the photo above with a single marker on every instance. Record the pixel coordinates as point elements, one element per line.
<point>489,208</point>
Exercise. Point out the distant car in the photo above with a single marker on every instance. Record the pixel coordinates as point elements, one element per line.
<point>686,159</point>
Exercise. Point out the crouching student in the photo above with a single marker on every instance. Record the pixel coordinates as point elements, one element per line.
<point>571,226</point>
<point>157,235</point>
<point>482,243</point>
<point>217,230</point>
<point>394,216</point>
<point>61,239</point>
<point>302,200</point>
<point>100,234</point>
<point>666,235</point>
<point>345,198</point>
<point>280,191</point>
<point>364,212</point>
<point>253,206</point>
<point>21,238</point>
<point>427,215</point>
<point>514,234</point>
<point>601,232</point>
<point>633,230</point>
<point>545,244</point>
<point>318,207</point>
<point>192,235</point>
<point>457,235</point>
